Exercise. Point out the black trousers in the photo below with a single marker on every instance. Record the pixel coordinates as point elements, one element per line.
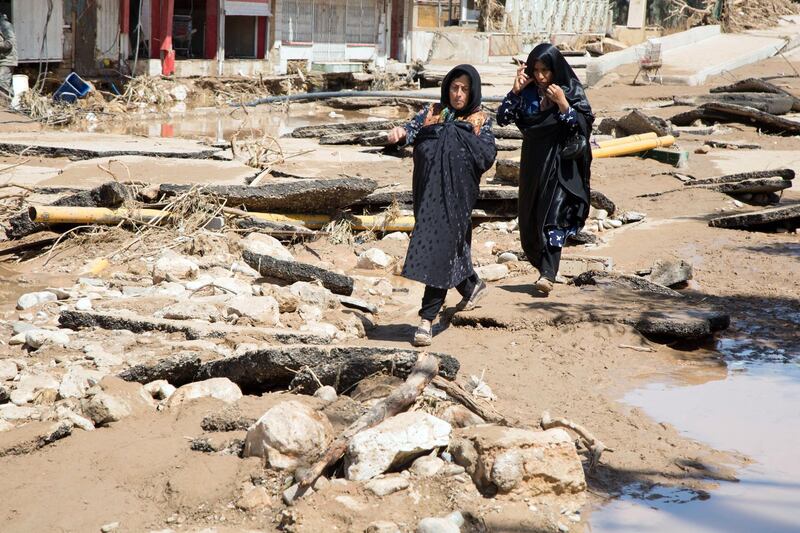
<point>551,258</point>
<point>433,299</point>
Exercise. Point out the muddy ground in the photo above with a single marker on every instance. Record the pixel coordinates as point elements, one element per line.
<point>141,472</point>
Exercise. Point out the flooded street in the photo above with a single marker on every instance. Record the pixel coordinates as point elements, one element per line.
<point>753,411</point>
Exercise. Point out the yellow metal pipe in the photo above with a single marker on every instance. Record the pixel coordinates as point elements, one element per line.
<point>634,147</point>
<point>628,139</point>
<point>51,214</point>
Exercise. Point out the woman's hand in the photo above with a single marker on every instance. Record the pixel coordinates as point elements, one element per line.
<point>521,81</point>
<point>557,96</point>
<point>397,134</point>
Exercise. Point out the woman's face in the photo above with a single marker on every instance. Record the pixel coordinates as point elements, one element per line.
<point>542,74</point>
<point>459,92</point>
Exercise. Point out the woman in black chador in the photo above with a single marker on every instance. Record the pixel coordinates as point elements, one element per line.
<point>453,147</point>
<point>549,106</point>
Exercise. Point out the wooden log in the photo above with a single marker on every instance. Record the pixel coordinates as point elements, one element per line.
<point>191,329</point>
<point>303,196</point>
<point>292,271</point>
<point>306,132</point>
<point>789,214</point>
<point>756,85</point>
<point>482,409</point>
<point>398,401</point>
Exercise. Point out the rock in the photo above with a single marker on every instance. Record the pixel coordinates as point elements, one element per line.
<point>287,300</point>
<point>189,310</point>
<point>327,394</point>
<point>219,388</point>
<point>77,420</point>
<point>76,382</point>
<point>493,272</point>
<point>21,327</point>
<point>395,236</point>
<point>450,524</point>
<point>107,528</point>
<point>671,273</point>
<point>253,499</point>
<point>632,216</point>
<point>393,442</point>
<point>29,385</point>
<point>382,526</point>
<point>103,408</point>
<point>350,503</point>
<point>294,492</point>
<point>160,389</point>
<point>703,149</point>
<point>32,299</point>
<point>37,338</point>
<point>244,268</point>
<point>314,295</point>
<point>461,417</point>
<point>5,426</point>
<point>83,304</point>
<point>293,271</point>
<point>4,395</point>
<point>17,339</point>
<point>427,466</point>
<point>383,486</point>
<point>507,257</point>
<point>171,266</point>
<point>11,411</point>
<point>519,461</point>
<point>260,309</point>
<point>259,243</point>
<point>8,370</point>
<point>373,259</point>
<point>287,433</point>
<point>480,389</point>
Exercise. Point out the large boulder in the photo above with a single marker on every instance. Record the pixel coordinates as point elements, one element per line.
<point>393,442</point>
<point>219,388</point>
<point>519,461</point>
<point>671,273</point>
<point>288,433</point>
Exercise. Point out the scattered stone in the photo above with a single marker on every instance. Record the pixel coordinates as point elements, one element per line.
<point>294,492</point>
<point>507,257</point>
<point>77,420</point>
<point>171,266</point>
<point>521,461</point>
<point>103,408</point>
<point>107,528</point>
<point>8,370</point>
<point>574,265</point>
<point>350,503</point>
<point>76,382</point>
<point>493,272</point>
<point>17,339</point>
<point>220,388</point>
<point>355,303</point>
<point>427,466</point>
<point>292,271</point>
<point>382,526</point>
<point>459,416</point>
<point>32,299</point>
<point>5,426</point>
<point>259,243</point>
<point>393,442</point>
<point>671,273</point>
<point>396,236</point>
<point>287,433</point>
<point>254,499</point>
<point>29,386</point>
<point>189,310</point>
<point>4,395</point>
<point>449,524</point>
<point>260,309</point>
<point>632,216</point>
<point>480,389</point>
<point>386,485</point>
<point>227,419</point>
<point>327,394</point>
<point>373,259</point>
<point>36,338</point>
<point>703,149</point>
<point>160,389</point>
<point>83,304</point>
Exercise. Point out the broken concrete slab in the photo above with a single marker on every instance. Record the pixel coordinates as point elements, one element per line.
<point>636,283</point>
<point>783,173</point>
<point>355,303</point>
<point>83,145</point>
<point>775,104</point>
<point>724,112</point>
<point>302,196</point>
<point>298,367</point>
<point>671,273</point>
<point>507,132</point>
<point>636,122</point>
<point>307,132</point>
<point>292,271</point>
<point>370,138</point>
<point>756,85</point>
<point>747,186</point>
<point>759,220</point>
<point>178,370</point>
<point>574,265</point>
<point>192,329</point>
<point>507,170</point>
<point>733,145</point>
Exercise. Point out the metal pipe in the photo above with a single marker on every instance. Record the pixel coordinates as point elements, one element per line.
<point>626,140</point>
<point>355,94</point>
<point>634,147</point>
<point>50,214</point>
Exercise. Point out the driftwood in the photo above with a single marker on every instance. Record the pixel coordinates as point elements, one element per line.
<point>755,85</point>
<point>304,196</point>
<point>292,271</point>
<point>398,401</point>
<point>483,410</point>
<point>595,447</point>
<point>723,112</point>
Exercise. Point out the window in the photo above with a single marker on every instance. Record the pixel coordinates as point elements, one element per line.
<point>362,21</point>
<point>330,21</point>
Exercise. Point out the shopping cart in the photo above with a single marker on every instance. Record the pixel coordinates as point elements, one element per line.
<point>650,62</point>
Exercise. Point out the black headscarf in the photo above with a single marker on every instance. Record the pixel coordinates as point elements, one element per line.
<point>563,75</point>
<point>474,102</point>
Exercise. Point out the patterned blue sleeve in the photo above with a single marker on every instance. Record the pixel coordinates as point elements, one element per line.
<point>569,118</point>
<point>510,110</point>
<point>414,125</point>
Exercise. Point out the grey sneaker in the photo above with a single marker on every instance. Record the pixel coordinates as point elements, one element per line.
<point>423,337</point>
<point>468,304</point>
<point>544,285</point>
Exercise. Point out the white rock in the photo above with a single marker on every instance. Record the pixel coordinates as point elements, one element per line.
<point>507,257</point>
<point>480,388</point>
<point>493,272</point>
<point>261,309</point>
<point>8,370</point>
<point>244,268</point>
<point>450,524</point>
<point>737,203</point>
<point>234,286</point>
<point>9,411</point>
<point>393,441</point>
<point>169,289</point>
<point>373,259</point>
<point>350,503</point>
<point>632,216</point>
<point>386,485</point>
<point>601,214</point>
<point>382,526</point>
<point>76,382</point>
<point>396,236</point>
<point>615,223</point>
<point>18,339</point>
<point>312,294</point>
<point>30,384</point>
<point>219,388</point>
<point>261,244</point>
<point>108,528</point>
<point>292,493</point>
<point>427,466</point>
<point>179,93</point>
<point>5,426</point>
<point>83,304</point>
<point>160,389</point>
<point>39,337</point>
<point>32,299</point>
<point>22,327</point>
<point>287,433</point>
<point>77,420</point>
<point>323,329</point>
<point>103,408</point>
<point>171,266</point>
<point>190,310</point>
<point>327,394</point>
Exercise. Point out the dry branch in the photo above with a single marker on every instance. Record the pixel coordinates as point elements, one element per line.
<point>595,447</point>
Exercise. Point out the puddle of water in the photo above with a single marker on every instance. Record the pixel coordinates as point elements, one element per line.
<point>219,127</point>
<point>755,411</point>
